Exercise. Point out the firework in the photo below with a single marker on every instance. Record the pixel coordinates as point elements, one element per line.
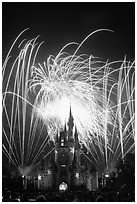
<point>101,100</point>
<point>65,82</point>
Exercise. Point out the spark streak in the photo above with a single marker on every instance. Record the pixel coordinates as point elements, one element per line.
<point>101,100</point>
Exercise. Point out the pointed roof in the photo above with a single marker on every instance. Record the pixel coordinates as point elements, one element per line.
<point>57,137</point>
<point>77,145</point>
<point>76,134</point>
<point>71,119</point>
<point>70,127</point>
<point>70,113</point>
<point>65,128</point>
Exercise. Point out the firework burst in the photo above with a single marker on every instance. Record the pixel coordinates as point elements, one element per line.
<point>67,81</point>
<point>100,103</point>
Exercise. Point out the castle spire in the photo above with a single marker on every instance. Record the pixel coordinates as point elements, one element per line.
<point>57,137</point>
<point>65,128</point>
<point>70,125</point>
<point>76,138</point>
<point>70,121</point>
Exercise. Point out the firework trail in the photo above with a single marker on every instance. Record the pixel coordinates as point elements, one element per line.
<point>49,89</point>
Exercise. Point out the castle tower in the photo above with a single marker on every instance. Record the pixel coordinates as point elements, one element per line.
<point>70,127</point>
<point>57,138</point>
<point>64,151</point>
<point>62,139</point>
<point>77,146</point>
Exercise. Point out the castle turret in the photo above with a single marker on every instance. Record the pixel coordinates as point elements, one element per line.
<point>65,128</point>
<point>77,146</point>
<point>70,127</point>
<point>57,138</point>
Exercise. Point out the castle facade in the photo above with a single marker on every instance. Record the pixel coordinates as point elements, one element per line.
<point>67,168</point>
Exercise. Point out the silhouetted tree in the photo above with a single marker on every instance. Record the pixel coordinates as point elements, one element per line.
<point>126,172</point>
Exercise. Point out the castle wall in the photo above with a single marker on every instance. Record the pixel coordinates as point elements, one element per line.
<point>45,179</point>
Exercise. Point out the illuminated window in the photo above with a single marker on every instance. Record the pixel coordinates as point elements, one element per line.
<point>63,165</point>
<point>39,177</point>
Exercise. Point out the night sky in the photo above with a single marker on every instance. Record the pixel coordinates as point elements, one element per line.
<point>61,23</point>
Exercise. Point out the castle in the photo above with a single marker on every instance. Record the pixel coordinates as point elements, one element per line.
<point>68,168</point>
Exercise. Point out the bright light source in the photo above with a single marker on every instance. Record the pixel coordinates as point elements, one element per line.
<point>39,177</point>
<point>63,165</point>
<point>106,175</point>
<point>63,186</point>
<point>49,172</point>
<point>72,149</point>
<point>77,175</point>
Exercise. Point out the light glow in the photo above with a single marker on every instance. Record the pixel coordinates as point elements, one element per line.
<point>37,98</point>
<point>64,82</point>
<point>77,175</point>
<point>39,177</point>
<point>63,186</point>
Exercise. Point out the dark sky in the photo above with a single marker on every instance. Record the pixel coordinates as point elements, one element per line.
<point>61,22</point>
